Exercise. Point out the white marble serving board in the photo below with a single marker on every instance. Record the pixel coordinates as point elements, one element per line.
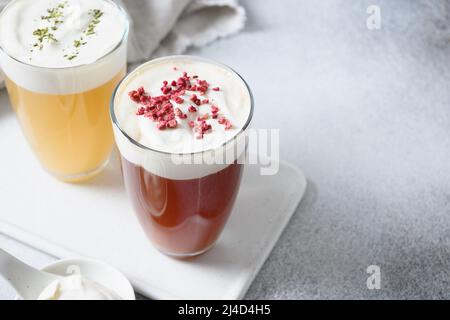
<point>96,220</point>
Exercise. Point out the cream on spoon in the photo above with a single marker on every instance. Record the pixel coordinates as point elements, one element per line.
<point>32,284</point>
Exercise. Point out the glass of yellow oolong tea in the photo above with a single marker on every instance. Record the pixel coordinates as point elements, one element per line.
<point>62,61</point>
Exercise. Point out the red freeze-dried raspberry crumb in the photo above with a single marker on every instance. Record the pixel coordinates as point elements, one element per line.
<point>202,129</point>
<point>134,95</point>
<point>166,89</point>
<point>161,110</point>
<point>172,123</point>
<point>214,109</point>
<point>195,100</point>
<point>179,100</point>
<point>140,111</point>
<point>180,114</point>
<point>162,125</point>
<point>228,125</point>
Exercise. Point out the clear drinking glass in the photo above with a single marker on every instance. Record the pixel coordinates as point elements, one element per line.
<point>182,201</point>
<point>64,112</point>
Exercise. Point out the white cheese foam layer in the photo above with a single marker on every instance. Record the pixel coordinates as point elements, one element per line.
<point>233,99</point>
<point>83,53</point>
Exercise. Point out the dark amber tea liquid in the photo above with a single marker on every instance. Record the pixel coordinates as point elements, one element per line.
<point>182,217</point>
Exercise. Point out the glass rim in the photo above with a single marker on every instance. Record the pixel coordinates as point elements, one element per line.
<point>141,146</point>
<point>125,34</point>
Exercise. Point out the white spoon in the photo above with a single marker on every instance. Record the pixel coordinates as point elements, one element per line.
<point>29,282</point>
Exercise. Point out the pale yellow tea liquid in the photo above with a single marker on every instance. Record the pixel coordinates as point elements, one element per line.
<point>71,134</point>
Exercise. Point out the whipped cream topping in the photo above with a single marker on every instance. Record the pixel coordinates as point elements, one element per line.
<point>62,46</point>
<point>76,287</point>
<point>233,100</point>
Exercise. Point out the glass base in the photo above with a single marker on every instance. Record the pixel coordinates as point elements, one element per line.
<point>81,177</point>
<point>185,255</point>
